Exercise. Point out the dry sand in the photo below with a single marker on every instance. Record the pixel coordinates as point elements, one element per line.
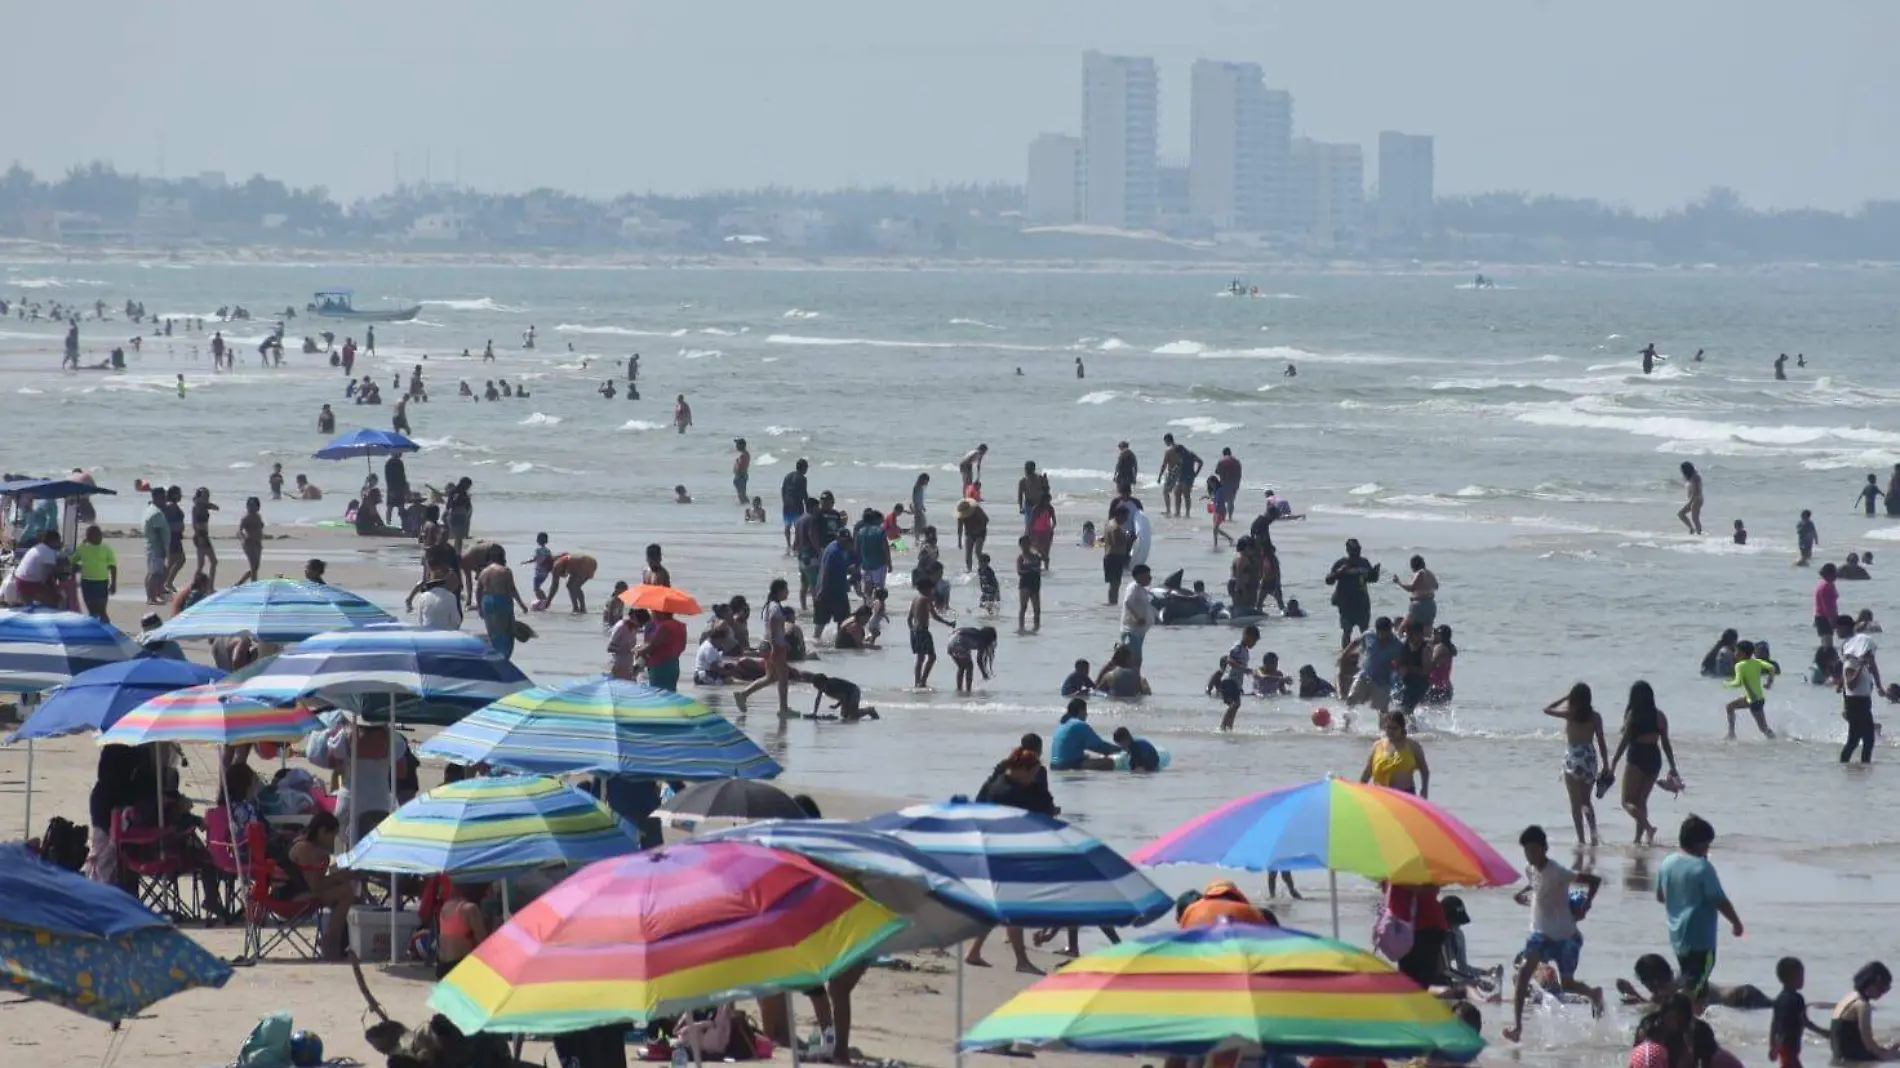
<point>903,1014</point>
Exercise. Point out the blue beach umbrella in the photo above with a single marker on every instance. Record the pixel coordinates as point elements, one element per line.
<point>367,443</point>
<point>1027,869</point>
<point>493,827</point>
<point>445,674</point>
<point>276,610</point>
<point>604,726</point>
<point>90,947</point>
<point>42,647</point>
<point>94,700</point>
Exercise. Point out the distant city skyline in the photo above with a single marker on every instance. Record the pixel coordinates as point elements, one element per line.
<point>1631,103</point>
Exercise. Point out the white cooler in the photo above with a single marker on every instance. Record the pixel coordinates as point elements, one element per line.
<point>369,932</point>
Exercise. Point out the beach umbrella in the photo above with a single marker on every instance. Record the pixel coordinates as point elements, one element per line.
<point>43,647</point>
<point>889,870</point>
<point>212,715</point>
<point>661,599</point>
<point>655,934</point>
<point>1245,988</point>
<point>90,947</point>
<point>492,827</point>
<point>734,799</point>
<point>1027,869</point>
<point>95,699</point>
<point>446,674</point>
<point>276,610</point>
<point>604,726</point>
<point>1383,834</point>
<point>366,443</point>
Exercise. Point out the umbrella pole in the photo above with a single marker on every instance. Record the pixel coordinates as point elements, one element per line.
<point>791,1025</point>
<point>29,791</point>
<point>1332,890</point>
<point>956,1040</point>
<point>393,900</point>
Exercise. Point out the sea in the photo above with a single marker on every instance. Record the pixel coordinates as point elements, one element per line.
<point>1506,434</point>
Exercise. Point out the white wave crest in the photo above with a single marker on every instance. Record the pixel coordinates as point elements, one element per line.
<point>541,419</point>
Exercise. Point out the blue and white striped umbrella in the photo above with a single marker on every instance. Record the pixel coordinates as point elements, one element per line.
<point>1026,869</point>
<point>942,911</point>
<point>277,610</point>
<point>41,648</point>
<point>445,673</point>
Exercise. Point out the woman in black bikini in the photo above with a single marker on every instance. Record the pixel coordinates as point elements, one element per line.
<point>1646,740</point>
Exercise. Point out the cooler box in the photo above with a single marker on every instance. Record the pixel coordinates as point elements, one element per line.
<point>369,932</point>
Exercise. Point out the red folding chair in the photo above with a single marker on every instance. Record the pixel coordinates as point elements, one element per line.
<point>270,924</point>
<point>157,860</point>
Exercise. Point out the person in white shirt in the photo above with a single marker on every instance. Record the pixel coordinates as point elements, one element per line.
<point>1138,613</point>
<point>37,572</point>
<point>709,664</point>
<point>1860,678</point>
<point>1554,937</point>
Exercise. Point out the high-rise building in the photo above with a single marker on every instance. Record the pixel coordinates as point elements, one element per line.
<point>1120,135</point>
<point>1328,184</point>
<point>1240,139</point>
<point>1055,175</point>
<point>1405,185</point>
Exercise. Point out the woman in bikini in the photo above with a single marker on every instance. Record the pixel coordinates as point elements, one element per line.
<point>461,926</point>
<point>201,509</point>
<point>1584,745</point>
<point>1646,740</point>
<point>1042,529</point>
<point>308,877</point>
<point>251,537</point>
<point>1691,513</point>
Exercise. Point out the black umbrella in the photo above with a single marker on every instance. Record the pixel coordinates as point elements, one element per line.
<point>735,799</point>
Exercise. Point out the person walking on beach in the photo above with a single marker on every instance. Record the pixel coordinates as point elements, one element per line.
<point>251,538</point>
<point>741,468</point>
<point>499,596</point>
<point>175,549</point>
<point>1553,935</point>
<point>1646,740</point>
<point>1583,744</point>
<point>778,667</point>
<point>157,531</point>
<point>207,562</point>
<point>98,572</point>
<point>1691,512</point>
<point>1859,681</point>
<point>1752,675</point>
<point>1691,892</point>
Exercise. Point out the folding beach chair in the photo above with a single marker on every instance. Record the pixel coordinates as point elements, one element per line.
<point>270,924</point>
<point>157,861</point>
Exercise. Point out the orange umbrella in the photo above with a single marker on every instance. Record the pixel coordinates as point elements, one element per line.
<point>661,599</point>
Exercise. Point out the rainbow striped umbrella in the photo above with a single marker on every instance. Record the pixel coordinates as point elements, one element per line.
<point>208,714</point>
<point>275,610</point>
<point>1230,988</point>
<point>604,726</point>
<point>1382,834</point>
<point>490,827</point>
<point>658,933</point>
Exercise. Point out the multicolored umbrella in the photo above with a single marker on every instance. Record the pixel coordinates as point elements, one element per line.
<point>447,674</point>
<point>605,726</point>
<point>209,714</point>
<point>1340,826</point>
<point>42,647</point>
<point>490,827</point>
<point>94,700</point>
<point>661,599</point>
<point>658,933</point>
<point>278,610</point>
<point>1230,987</point>
<point>1027,869</point>
<point>90,947</point>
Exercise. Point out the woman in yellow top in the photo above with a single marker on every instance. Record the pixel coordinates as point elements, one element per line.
<point>1396,761</point>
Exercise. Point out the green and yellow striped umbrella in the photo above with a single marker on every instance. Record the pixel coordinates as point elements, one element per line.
<point>491,827</point>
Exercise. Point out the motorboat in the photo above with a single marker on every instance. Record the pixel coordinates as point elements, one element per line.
<point>340,304</point>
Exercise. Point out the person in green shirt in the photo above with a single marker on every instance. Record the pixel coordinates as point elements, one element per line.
<point>98,572</point>
<point>1752,675</point>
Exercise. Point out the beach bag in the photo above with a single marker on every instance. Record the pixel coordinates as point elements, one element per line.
<point>269,1043</point>
<point>1391,936</point>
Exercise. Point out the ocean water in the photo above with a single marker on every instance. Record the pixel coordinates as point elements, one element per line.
<point>1507,435</point>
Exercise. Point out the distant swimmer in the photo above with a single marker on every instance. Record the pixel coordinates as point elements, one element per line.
<point>1698,355</point>
<point>633,367</point>
<point>1019,372</point>
<point>1781,367</point>
<point>607,389</point>
<point>1291,371</point>
<point>1078,368</point>
<point>181,385</point>
<point>527,338</point>
<point>488,351</point>
<point>1800,359</point>
<point>326,421</point>
<point>1741,533</point>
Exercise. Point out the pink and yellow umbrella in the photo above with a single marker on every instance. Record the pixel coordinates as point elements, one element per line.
<point>658,933</point>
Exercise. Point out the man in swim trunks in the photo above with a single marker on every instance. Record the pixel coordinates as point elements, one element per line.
<point>741,468</point>
<point>1125,469</point>
<point>970,468</point>
<point>834,583</point>
<point>499,596</point>
<point>792,496</point>
<point>1351,577</point>
<point>576,568</point>
<point>1424,590</point>
<point>1030,490</point>
<point>808,542</point>
<point>923,609</point>
<point>874,551</point>
<point>1227,469</point>
<point>1377,650</point>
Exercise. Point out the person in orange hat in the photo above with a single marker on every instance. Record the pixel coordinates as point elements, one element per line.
<point>1222,900</point>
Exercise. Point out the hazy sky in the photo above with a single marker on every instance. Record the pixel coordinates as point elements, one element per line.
<point>1642,103</point>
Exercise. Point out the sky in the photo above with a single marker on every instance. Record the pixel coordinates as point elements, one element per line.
<point>1638,103</point>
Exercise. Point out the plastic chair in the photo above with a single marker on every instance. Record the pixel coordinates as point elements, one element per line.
<point>270,924</point>
<point>156,859</point>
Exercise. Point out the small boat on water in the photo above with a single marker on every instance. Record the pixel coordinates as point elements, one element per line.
<point>339,304</point>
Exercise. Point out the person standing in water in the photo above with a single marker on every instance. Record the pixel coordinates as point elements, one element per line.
<point>1691,511</point>
<point>1583,738</point>
<point>499,596</point>
<point>1781,367</point>
<point>1650,358</point>
<point>1646,740</point>
<point>741,468</point>
<point>682,414</point>
<point>1078,368</point>
<point>1869,495</point>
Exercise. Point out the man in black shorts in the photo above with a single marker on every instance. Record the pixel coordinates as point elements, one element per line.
<point>923,609</point>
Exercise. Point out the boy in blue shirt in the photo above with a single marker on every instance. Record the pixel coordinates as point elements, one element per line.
<point>1692,894</point>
